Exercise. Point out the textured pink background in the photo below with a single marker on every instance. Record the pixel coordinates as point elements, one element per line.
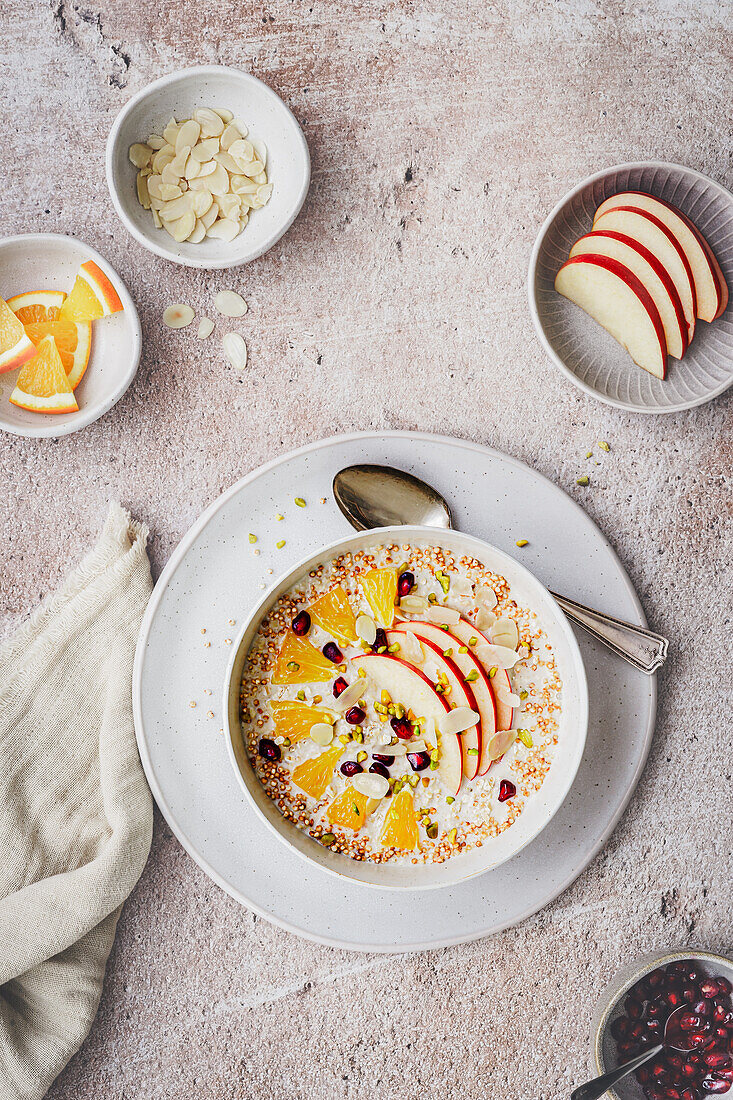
<point>441,133</point>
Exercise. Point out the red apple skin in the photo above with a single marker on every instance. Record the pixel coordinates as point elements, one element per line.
<point>504,713</point>
<point>636,285</point>
<point>487,710</point>
<point>715,268</point>
<point>428,682</point>
<point>472,738</point>
<point>658,267</point>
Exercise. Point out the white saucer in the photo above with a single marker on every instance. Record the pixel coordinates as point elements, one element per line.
<point>214,577</point>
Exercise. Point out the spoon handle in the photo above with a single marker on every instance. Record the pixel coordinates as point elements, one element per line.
<point>593,1090</point>
<point>640,647</point>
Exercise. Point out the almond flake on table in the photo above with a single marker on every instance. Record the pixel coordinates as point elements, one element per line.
<point>230,304</point>
<point>235,350</point>
<point>206,327</point>
<point>178,315</point>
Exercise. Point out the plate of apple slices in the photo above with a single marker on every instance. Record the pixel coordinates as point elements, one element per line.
<point>628,287</point>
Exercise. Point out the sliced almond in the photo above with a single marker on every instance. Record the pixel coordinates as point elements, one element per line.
<point>504,632</point>
<point>444,616</point>
<point>509,697</point>
<point>223,230</point>
<point>182,229</point>
<point>155,141</point>
<point>201,202</point>
<point>459,720</point>
<point>261,177</point>
<point>263,196</point>
<point>235,350</point>
<point>352,694</point>
<point>415,605</point>
<point>230,133</point>
<point>223,113</point>
<point>140,155</point>
<point>243,221</point>
<point>178,164</point>
<point>178,315</point>
<point>498,655</point>
<point>171,132</point>
<point>411,649</point>
<point>154,185</point>
<point>230,205</point>
<point>212,124</point>
<point>218,181</point>
<point>230,304</point>
<point>188,134</point>
<point>486,597</point>
<point>160,160</point>
<point>250,168</point>
<point>485,619</point>
<point>193,168</point>
<point>199,232</point>
<point>321,733</point>
<point>176,209</point>
<point>169,175</point>
<point>169,191</point>
<point>240,126</point>
<point>227,162</point>
<point>157,220</point>
<point>143,195</point>
<point>206,327</point>
<point>501,742</point>
<point>210,216</point>
<point>242,150</point>
<point>366,629</point>
<point>260,150</point>
<point>370,784</point>
<point>243,185</point>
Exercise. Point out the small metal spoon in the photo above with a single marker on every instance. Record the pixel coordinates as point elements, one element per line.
<point>673,1040</point>
<point>379,496</point>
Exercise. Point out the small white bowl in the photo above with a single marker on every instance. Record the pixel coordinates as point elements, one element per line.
<point>610,1005</point>
<point>544,803</point>
<point>588,355</point>
<point>49,261</point>
<point>177,96</point>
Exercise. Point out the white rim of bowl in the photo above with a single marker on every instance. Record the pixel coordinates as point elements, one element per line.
<point>291,577</point>
<point>166,252</point>
<point>82,419</point>
<point>532,275</point>
<point>613,993</point>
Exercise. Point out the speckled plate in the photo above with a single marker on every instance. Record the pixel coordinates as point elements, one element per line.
<point>581,348</point>
<point>212,583</point>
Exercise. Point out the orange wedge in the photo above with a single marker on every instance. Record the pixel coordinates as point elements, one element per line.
<point>332,612</point>
<point>296,720</point>
<point>298,662</point>
<point>16,348</point>
<point>349,809</point>
<point>92,295</point>
<point>42,384</point>
<point>38,311</point>
<point>400,824</point>
<point>380,589</point>
<point>313,776</point>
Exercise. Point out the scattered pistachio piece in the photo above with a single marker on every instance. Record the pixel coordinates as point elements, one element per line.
<point>525,737</point>
<point>444,580</point>
<point>450,799</point>
<point>603,445</point>
<point>522,542</point>
<point>300,502</point>
<point>280,544</point>
<point>432,830</point>
<point>452,836</point>
<point>328,839</point>
<point>292,666</point>
<point>473,675</point>
<point>583,480</point>
<point>252,538</point>
<point>493,671</point>
<point>473,640</point>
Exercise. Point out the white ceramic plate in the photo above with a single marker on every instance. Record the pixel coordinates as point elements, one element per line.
<point>266,117</point>
<point>48,261</point>
<point>581,348</point>
<point>214,577</point>
<point>540,808</point>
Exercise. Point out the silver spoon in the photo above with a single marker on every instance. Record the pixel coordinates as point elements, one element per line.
<point>379,496</point>
<point>674,1039</point>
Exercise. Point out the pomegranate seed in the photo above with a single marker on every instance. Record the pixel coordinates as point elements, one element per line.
<point>402,727</point>
<point>719,1012</point>
<point>350,767</point>
<point>388,761</point>
<point>671,1093</point>
<point>689,1094</point>
<point>689,1021</point>
<point>268,750</point>
<point>633,1008</point>
<point>654,1027</point>
<point>379,769</point>
<point>419,761</point>
<point>405,583</point>
<point>724,986</point>
<point>726,1072</point>
<point>333,653</point>
<point>678,967</point>
<point>674,1060</point>
<point>659,1069</point>
<point>506,790</point>
<point>620,1027</point>
<point>702,1008</point>
<point>654,1008</point>
<point>696,1038</point>
<point>655,978</point>
<point>713,1083</point>
<point>355,716</point>
<point>301,624</point>
<point>637,1031</point>
<point>689,994</point>
<point>709,987</point>
<point>339,686</point>
<point>716,1059</point>
<point>674,998</point>
<point>721,1034</point>
<point>380,641</point>
<point>689,1070</point>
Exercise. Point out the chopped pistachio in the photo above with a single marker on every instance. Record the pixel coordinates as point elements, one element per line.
<point>361,672</point>
<point>355,808</point>
<point>358,737</point>
<point>443,626</point>
<point>473,675</point>
<point>473,752</point>
<point>292,666</point>
<point>444,580</point>
<point>473,640</point>
<point>280,544</point>
<point>279,517</point>
<point>381,649</point>
<point>603,445</point>
<point>286,742</point>
<point>252,538</point>
<point>341,668</point>
<point>525,737</point>
<point>385,697</point>
<point>328,839</point>
<point>301,696</point>
<point>344,738</point>
<point>361,757</point>
<point>391,709</point>
<point>453,835</point>
<point>300,502</point>
<point>357,729</point>
<point>447,652</point>
<point>399,711</point>
<point>463,649</point>
<point>589,454</point>
<point>450,799</point>
<point>432,598</point>
<point>493,671</point>
<point>394,648</point>
<point>522,542</point>
<point>432,830</point>
<point>433,765</point>
<point>380,708</point>
<point>403,568</point>
<point>317,699</point>
<point>414,780</point>
<point>584,480</point>
<point>523,694</point>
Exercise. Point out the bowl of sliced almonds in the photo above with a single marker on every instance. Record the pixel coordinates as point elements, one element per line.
<point>207,167</point>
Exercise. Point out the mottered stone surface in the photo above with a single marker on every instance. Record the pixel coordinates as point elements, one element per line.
<point>441,134</point>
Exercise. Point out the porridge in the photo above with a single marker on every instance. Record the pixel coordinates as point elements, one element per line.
<point>398,704</point>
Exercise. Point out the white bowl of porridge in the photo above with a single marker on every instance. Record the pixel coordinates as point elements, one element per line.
<point>406,708</point>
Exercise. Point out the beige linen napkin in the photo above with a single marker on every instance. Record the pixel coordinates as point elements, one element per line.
<point>75,810</point>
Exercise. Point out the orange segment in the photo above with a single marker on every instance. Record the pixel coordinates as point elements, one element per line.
<point>313,776</point>
<point>38,311</point>
<point>42,384</point>
<point>400,825</point>
<point>380,589</point>
<point>295,720</point>
<point>349,809</point>
<point>332,612</point>
<point>298,662</point>
<point>92,295</point>
<point>15,346</point>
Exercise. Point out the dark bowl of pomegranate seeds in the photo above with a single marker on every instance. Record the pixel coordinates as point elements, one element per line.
<point>632,1015</point>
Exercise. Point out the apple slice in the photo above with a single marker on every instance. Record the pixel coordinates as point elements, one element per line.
<point>711,288</point>
<point>615,297</point>
<point>650,272</point>
<point>647,229</point>
<point>465,632</point>
<point>412,688</point>
<point>466,665</point>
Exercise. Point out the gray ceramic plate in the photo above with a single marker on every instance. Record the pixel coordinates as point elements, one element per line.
<point>584,352</point>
